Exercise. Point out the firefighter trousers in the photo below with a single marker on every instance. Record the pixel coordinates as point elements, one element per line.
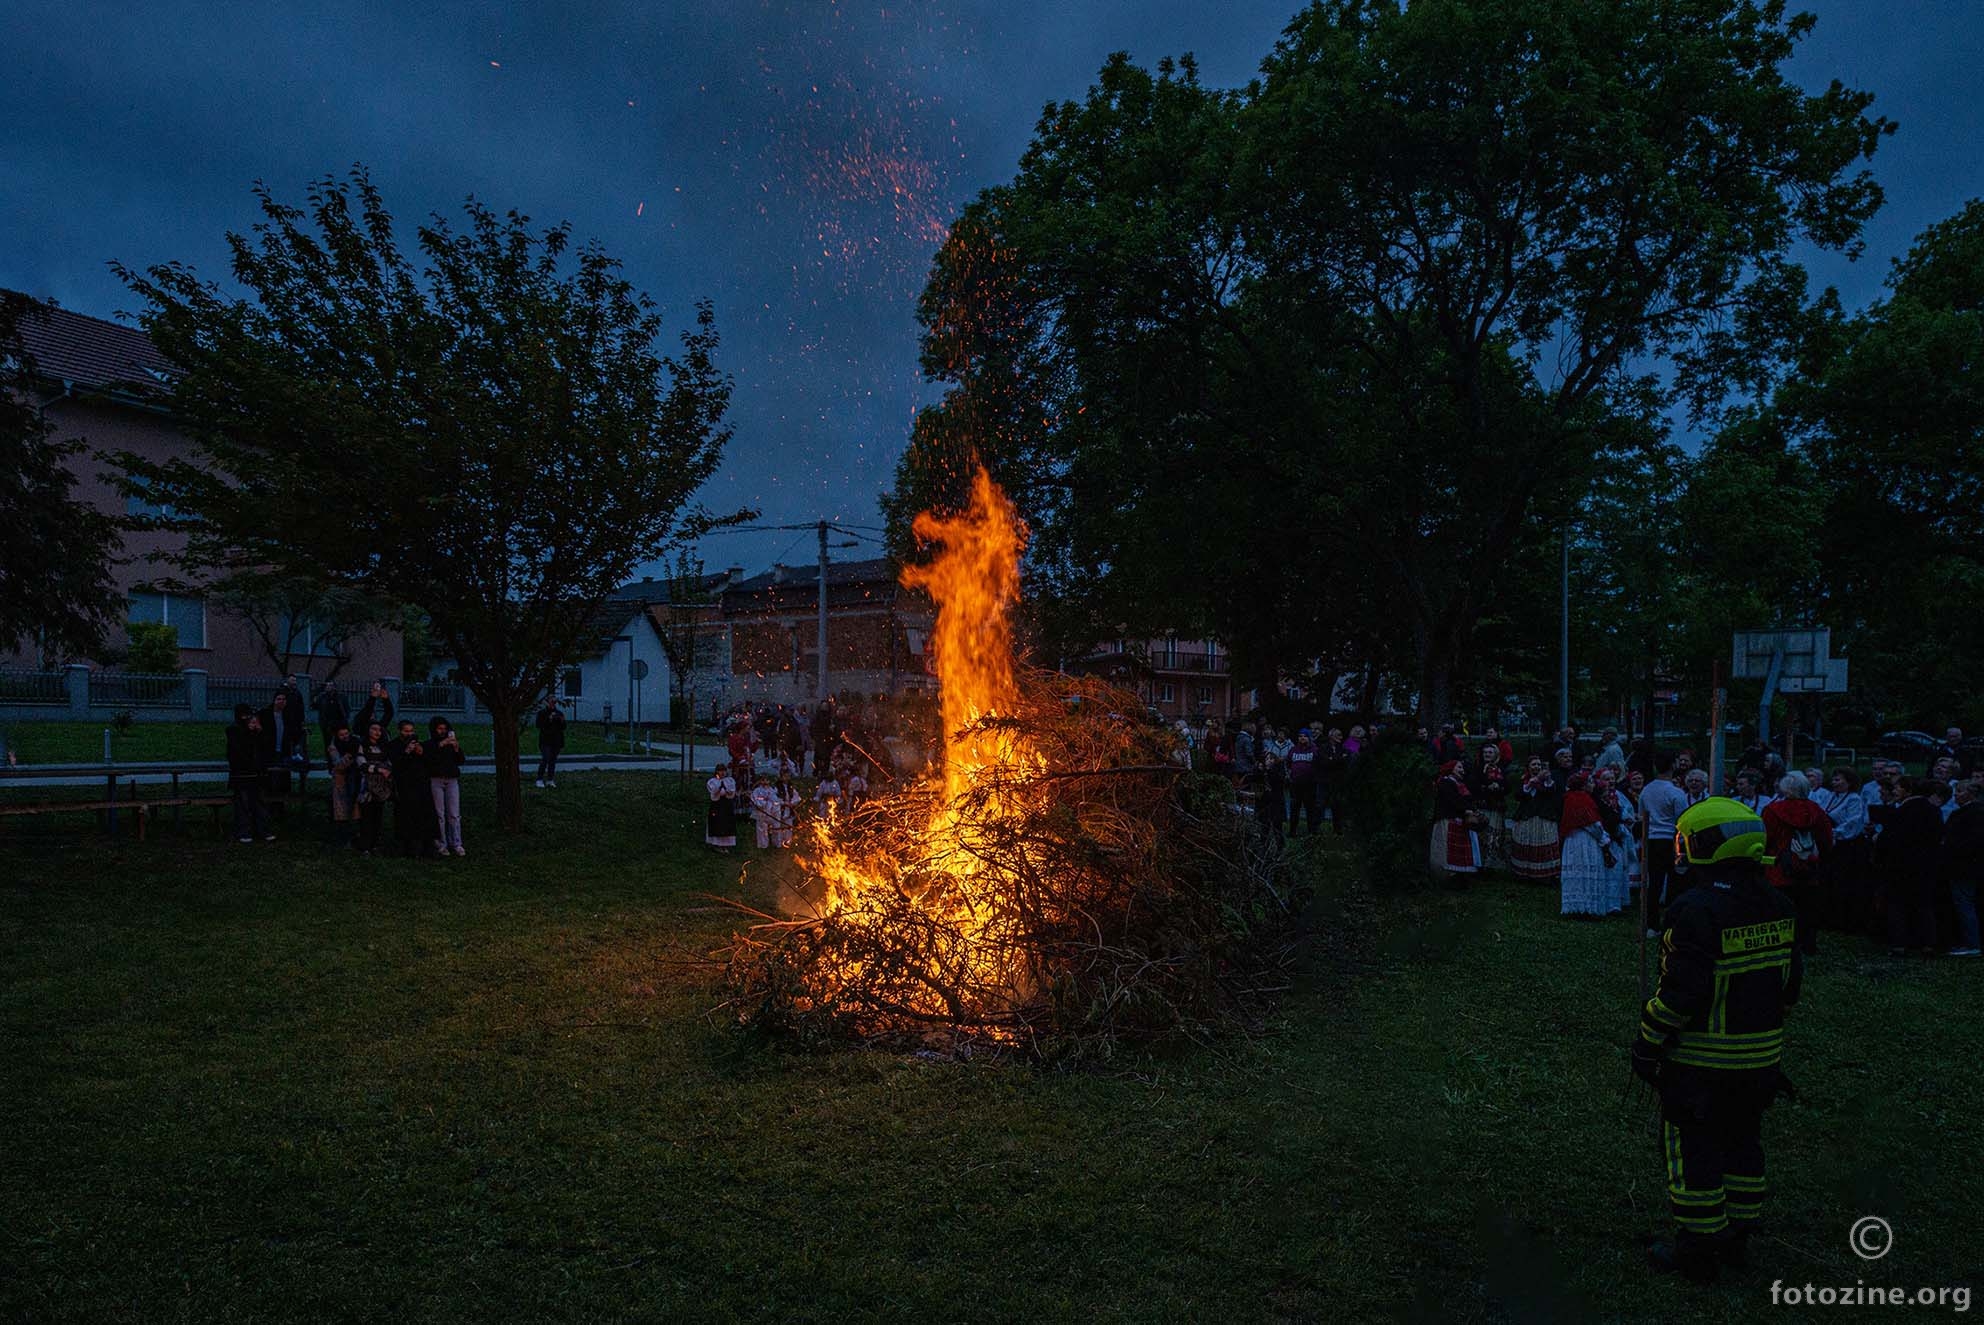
<point>1711,1133</point>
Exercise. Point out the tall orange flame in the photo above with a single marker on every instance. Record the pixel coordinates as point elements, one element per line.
<point>975,580</point>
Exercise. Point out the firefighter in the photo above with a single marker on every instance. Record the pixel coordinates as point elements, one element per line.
<point>1711,1035</point>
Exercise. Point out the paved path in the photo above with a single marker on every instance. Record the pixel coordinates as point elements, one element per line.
<point>665,759</point>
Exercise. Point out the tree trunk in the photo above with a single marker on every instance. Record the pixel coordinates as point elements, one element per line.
<point>1435,678</point>
<point>1367,698</point>
<point>509,769</point>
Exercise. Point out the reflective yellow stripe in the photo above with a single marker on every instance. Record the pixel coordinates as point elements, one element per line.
<point>1739,1184</point>
<point>1660,1012</point>
<point>1703,1223</point>
<point>1686,1196</point>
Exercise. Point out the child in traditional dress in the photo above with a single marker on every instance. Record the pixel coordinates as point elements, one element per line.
<point>855,790</point>
<point>787,813</point>
<point>826,795</point>
<point>764,811</point>
<point>721,831</point>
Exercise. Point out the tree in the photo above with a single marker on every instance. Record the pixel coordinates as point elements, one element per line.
<point>491,440</point>
<point>1885,416</point>
<point>56,552</point>
<point>297,620</point>
<point>686,637</point>
<point>1371,313</point>
<point>154,648</point>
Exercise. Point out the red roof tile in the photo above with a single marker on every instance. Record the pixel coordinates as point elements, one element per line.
<point>90,352</point>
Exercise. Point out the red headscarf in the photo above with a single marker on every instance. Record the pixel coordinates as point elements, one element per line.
<point>1580,810</point>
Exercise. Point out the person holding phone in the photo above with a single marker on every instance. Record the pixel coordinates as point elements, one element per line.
<point>444,779</point>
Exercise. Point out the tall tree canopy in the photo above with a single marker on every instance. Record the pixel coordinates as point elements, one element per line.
<point>491,439</point>
<point>1877,436</point>
<point>1304,361</point>
<point>56,591</point>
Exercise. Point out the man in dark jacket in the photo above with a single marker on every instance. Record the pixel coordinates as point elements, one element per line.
<point>285,740</point>
<point>1712,1034</point>
<point>550,741</point>
<point>1908,858</point>
<point>826,735</point>
<point>413,802</point>
<point>245,767</point>
<point>1963,862</point>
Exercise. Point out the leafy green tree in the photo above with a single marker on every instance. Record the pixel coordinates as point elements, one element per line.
<point>153,648</point>
<point>56,552</point>
<point>1886,414</point>
<point>1311,355</point>
<point>491,439</point>
<point>298,622</point>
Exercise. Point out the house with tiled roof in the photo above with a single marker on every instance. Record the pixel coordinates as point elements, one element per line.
<point>103,383</point>
<point>877,633</point>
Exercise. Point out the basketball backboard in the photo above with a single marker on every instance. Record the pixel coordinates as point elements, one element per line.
<point>1805,653</point>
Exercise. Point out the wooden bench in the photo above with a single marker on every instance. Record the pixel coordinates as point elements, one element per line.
<point>93,807</point>
<point>142,809</point>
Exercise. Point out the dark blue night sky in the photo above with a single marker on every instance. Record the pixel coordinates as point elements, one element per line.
<point>794,161</point>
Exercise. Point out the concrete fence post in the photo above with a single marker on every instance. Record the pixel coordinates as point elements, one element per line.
<point>196,693</point>
<point>78,677</point>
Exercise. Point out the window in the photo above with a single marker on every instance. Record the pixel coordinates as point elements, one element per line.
<point>300,636</point>
<point>1205,694</point>
<point>135,504</point>
<point>574,683</point>
<point>187,615</point>
<point>1167,693</point>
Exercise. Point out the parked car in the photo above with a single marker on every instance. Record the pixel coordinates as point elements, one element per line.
<point>1905,745</point>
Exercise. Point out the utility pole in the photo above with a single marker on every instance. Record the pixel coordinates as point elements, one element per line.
<point>1564,640</point>
<point>820,694</point>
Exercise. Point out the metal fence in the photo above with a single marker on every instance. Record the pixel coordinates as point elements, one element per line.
<point>431,695</point>
<point>224,692</point>
<point>137,690</point>
<point>18,686</point>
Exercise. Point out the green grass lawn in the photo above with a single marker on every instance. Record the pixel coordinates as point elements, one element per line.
<point>154,742</point>
<point>272,1083</point>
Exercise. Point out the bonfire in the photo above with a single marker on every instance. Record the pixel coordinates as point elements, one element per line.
<point>1059,881</point>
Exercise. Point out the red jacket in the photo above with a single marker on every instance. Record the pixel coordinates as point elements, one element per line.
<point>1782,818</point>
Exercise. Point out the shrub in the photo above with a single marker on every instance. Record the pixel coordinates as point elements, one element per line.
<point>1386,804</point>
<point>154,648</point>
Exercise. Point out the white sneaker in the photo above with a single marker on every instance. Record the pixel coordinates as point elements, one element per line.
<point>245,841</point>
<point>461,851</point>
<point>553,783</point>
<point>1963,952</point>
<point>540,784</point>
<point>269,838</point>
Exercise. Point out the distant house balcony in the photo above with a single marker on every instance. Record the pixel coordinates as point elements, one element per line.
<point>1180,660</point>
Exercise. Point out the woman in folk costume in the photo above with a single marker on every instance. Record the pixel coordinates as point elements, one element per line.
<point>764,810</point>
<point>1629,792</point>
<point>1621,818</point>
<point>1589,856</point>
<point>1488,787</point>
<point>1533,827</point>
<point>721,831</point>
<point>1455,848</point>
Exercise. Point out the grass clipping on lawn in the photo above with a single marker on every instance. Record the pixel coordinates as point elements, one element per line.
<point>1084,893</point>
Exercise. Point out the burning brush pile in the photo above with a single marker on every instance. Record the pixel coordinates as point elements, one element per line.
<point>1059,884</point>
